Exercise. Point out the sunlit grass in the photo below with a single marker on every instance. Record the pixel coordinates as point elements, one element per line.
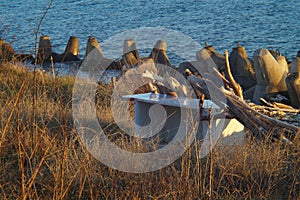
<point>42,157</point>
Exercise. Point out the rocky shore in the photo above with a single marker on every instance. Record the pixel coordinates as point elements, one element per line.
<point>267,74</point>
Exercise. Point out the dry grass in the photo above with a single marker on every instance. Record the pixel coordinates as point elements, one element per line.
<point>42,157</point>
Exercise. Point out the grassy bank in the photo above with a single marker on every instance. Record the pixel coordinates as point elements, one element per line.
<point>42,157</point>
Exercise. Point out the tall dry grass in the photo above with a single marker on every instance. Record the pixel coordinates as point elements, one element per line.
<point>43,158</point>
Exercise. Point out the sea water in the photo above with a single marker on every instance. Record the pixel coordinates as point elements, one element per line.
<point>253,23</point>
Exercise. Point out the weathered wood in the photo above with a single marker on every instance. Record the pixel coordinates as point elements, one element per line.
<point>198,84</point>
<point>258,123</point>
<point>235,86</point>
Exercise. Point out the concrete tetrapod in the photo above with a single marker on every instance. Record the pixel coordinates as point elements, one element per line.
<point>219,59</point>
<point>270,74</point>
<point>6,51</point>
<point>71,51</point>
<point>94,58</point>
<point>44,50</point>
<point>293,82</point>
<point>241,67</point>
<point>131,55</point>
<point>159,53</point>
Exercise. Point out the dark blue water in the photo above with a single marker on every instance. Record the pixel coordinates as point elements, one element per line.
<point>254,23</point>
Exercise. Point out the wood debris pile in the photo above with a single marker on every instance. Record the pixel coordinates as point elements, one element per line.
<point>278,111</point>
<point>275,121</point>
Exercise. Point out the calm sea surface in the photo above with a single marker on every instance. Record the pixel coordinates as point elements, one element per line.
<point>254,23</point>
